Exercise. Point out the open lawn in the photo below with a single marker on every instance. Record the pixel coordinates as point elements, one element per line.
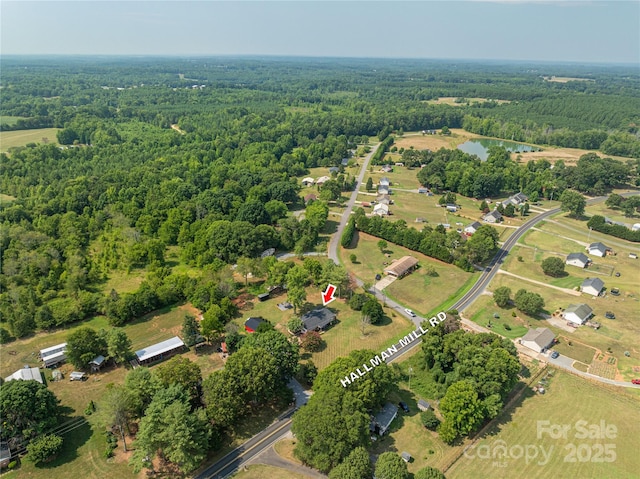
<point>570,456</point>
<point>10,120</point>
<point>9,139</point>
<point>434,142</point>
<point>417,291</point>
<point>6,199</point>
<point>613,214</point>
<point>262,471</point>
<point>482,312</point>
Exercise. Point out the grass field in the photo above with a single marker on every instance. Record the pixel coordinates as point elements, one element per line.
<point>482,312</point>
<point>6,199</point>
<point>614,214</point>
<point>10,120</point>
<point>451,101</point>
<point>262,471</point>
<point>9,139</point>
<point>417,291</point>
<point>518,426</point>
<point>434,142</point>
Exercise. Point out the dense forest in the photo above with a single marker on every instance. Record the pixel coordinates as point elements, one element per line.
<point>199,158</point>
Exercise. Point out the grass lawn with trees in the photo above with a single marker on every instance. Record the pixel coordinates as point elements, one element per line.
<point>10,139</point>
<point>482,312</point>
<point>262,471</point>
<point>518,426</point>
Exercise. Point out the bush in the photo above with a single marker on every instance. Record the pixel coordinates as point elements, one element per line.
<point>357,301</point>
<point>429,420</point>
<point>311,341</point>
<point>5,336</point>
<point>295,325</point>
<point>44,448</point>
<point>91,408</point>
<point>12,465</point>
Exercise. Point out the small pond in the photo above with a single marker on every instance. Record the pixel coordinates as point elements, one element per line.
<point>480,147</point>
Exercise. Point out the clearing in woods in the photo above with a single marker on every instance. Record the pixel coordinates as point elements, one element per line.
<point>10,139</point>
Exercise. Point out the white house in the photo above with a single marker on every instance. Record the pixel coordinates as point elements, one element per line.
<point>308,181</point>
<point>472,228</point>
<point>516,200</point>
<point>322,180</point>
<point>598,249</point>
<point>384,181</point>
<point>451,208</point>
<point>538,339</point>
<point>493,217</point>
<point>592,286</point>
<point>381,209</point>
<point>383,190</point>
<point>580,260</point>
<point>26,374</point>
<point>577,313</point>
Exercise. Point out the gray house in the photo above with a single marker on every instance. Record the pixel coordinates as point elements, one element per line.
<point>538,339</point>
<point>580,260</point>
<point>318,319</point>
<point>493,217</point>
<point>381,422</point>
<point>592,286</point>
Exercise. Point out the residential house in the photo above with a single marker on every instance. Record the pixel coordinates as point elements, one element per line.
<point>538,339</point>
<point>308,181</point>
<point>381,209</point>
<point>451,208</point>
<point>516,200</point>
<point>26,374</point>
<point>53,355</point>
<point>334,169</point>
<point>423,405</point>
<point>322,180</point>
<point>580,260</point>
<point>401,267</point>
<point>577,313</point>
<point>160,351</point>
<point>344,162</point>
<point>493,217</point>
<point>598,249</point>
<point>251,324</point>
<point>592,286</point>
<point>472,228</point>
<point>318,319</point>
<point>310,197</point>
<point>384,199</point>
<point>383,190</point>
<point>384,181</point>
<point>387,168</point>
<point>381,421</point>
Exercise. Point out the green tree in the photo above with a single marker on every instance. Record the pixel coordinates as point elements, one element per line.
<point>369,185</point>
<point>382,245</point>
<point>27,409</point>
<point>429,472</point>
<point>182,371</point>
<point>142,386</point>
<point>429,419</point>
<point>309,372</point>
<point>483,244</point>
<point>353,258</point>
<point>529,303</point>
<point>373,310</point>
<point>83,345</point>
<point>510,210</point>
<point>5,336</point>
<point>276,210</point>
<point>297,279</point>
<point>117,409</point>
<point>614,201</point>
<point>285,352</point>
<point>190,329</point>
<point>44,317</point>
<point>461,408</point>
<point>573,202</point>
<point>391,466</point>
<point>502,296</point>
<point>245,268</point>
<point>356,465</point>
<point>172,429</point>
<point>553,266</point>
<point>445,130</point>
<point>222,397</point>
<point>255,372</point>
<point>295,325</point>
<point>312,341</point>
<point>212,323</point>
<point>484,206</point>
<point>118,345</point>
<point>44,448</point>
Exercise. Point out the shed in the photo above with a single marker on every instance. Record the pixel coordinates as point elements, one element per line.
<point>538,339</point>
<point>334,169</point>
<point>97,362</point>
<point>580,260</point>
<point>381,421</point>
<point>451,207</point>
<point>577,313</point>
<point>344,162</point>
<point>53,355</point>
<point>27,373</point>
<point>423,405</point>
<point>308,181</point>
<point>318,319</point>
<point>160,351</point>
<point>402,266</point>
<point>592,286</point>
<point>633,256</point>
<point>264,296</point>
<point>406,457</point>
<point>423,191</point>
<point>251,325</point>
<point>322,180</point>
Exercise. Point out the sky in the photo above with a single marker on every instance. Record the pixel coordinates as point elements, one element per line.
<point>531,30</point>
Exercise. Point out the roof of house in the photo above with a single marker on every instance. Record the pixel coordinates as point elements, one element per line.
<point>495,214</point>
<point>596,283</point>
<point>334,169</point>
<point>402,265</point>
<point>517,198</point>
<point>317,318</point>
<point>344,162</point>
<point>322,179</point>
<point>475,225</point>
<point>52,350</point>
<point>98,360</point>
<point>541,336</point>
<point>381,206</point>
<point>385,180</point>
<point>451,205</point>
<point>599,246</point>
<point>159,348</point>
<point>26,373</point>
<point>310,197</point>
<point>406,456</point>
<point>308,179</point>
<point>387,414</point>
<point>253,323</point>
<point>583,311</point>
<point>581,256</point>
<point>383,188</point>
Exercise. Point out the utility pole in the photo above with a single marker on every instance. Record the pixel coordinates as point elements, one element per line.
<point>410,371</point>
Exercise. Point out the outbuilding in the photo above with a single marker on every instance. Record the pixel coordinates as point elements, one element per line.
<point>251,325</point>
<point>401,267</point>
<point>381,421</point>
<point>423,405</point>
<point>53,355</point>
<point>160,351</point>
<point>26,374</point>
<point>598,249</point>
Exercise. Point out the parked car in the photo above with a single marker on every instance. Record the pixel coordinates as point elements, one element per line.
<point>409,312</point>
<point>404,406</point>
<point>635,381</point>
<point>378,277</point>
<point>615,291</point>
<point>609,315</point>
<point>555,354</point>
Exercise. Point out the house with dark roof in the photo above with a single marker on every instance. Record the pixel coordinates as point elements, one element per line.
<point>580,260</point>
<point>381,421</point>
<point>334,169</point>
<point>592,286</point>
<point>493,217</point>
<point>309,197</point>
<point>318,319</point>
<point>538,339</point>
<point>251,324</point>
<point>516,200</point>
<point>598,249</point>
<point>472,228</point>
<point>401,267</point>
<point>577,313</point>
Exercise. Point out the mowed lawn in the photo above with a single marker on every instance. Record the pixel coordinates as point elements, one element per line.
<point>568,399</point>
<point>417,291</point>
<point>262,471</point>
<point>482,312</point>
<point>10,139</point>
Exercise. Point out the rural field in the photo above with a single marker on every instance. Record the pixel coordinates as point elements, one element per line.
<point>451,101</point>
<point>517,430</point>
<point>10,120</point>
<point>9,139</point>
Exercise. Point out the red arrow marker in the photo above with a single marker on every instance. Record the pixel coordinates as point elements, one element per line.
<point>327,296</point>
